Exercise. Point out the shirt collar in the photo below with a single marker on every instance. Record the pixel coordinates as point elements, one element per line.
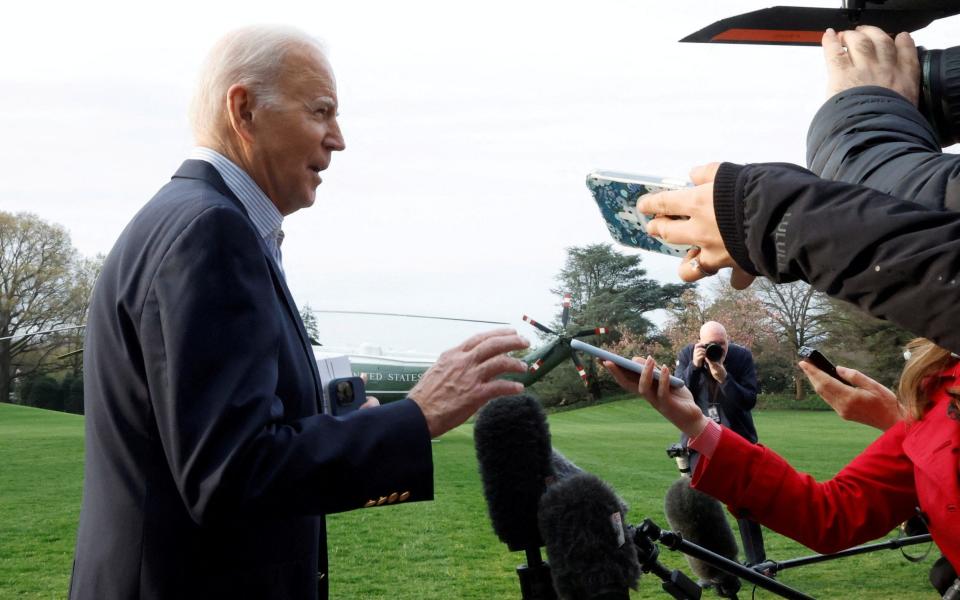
<point>264,214</point>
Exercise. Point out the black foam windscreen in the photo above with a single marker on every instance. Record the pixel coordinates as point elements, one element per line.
<point>589,547</point>
<point>512,440</point>
<point>701,520</point>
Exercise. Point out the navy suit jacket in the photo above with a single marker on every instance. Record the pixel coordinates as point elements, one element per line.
<point>735,398</point>
<point>208,462</point>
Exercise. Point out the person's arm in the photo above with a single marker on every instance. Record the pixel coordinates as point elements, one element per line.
<point>740,386</point>
<point>869,131</point>
<point>864,501</point>
<point>787,224</point>
<point>896,260</point>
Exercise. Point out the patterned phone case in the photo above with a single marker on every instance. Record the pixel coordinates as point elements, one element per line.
<point>617,194</point>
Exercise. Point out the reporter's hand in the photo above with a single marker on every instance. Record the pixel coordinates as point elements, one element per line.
<point>676,405</point>
<point>464,378</point>
<point>696,226</point>
<point>868,56</point>
<point>866,401</point>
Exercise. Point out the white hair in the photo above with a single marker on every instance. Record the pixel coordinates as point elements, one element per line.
<point>250,56</point>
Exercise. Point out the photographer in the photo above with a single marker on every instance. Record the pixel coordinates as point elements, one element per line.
<point>723,380</point>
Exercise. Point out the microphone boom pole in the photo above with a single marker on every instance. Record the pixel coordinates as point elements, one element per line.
<point>675,541</point>
<point>775,567</point>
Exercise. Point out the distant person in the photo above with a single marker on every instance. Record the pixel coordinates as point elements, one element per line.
<point>210,460</point>
<point>723,380</point>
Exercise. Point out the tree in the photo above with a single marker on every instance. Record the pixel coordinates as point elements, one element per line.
<point>35,277</point>
<point>741,312</point>
<point>310,323</point>
<point>800,313</point>
<point>609,289</point>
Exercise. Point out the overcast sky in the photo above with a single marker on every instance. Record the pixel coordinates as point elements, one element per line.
<point>469,128</point>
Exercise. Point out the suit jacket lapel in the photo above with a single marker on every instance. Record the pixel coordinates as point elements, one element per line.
<point>200,169</point>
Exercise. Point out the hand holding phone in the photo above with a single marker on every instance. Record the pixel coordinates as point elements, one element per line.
<point>620,361</point>
<point>616,195</point>
<point>817,359</point>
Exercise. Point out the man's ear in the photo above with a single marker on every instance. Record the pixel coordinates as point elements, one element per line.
<point>240,111</point>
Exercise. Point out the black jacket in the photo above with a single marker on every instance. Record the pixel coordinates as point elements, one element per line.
<point>873,136</point>
<point>735,398</point>
<point>208,464</point>
<point>896,260</point>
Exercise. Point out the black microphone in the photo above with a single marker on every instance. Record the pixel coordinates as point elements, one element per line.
<point>512,440</point>
<point>700,519</point>
<point>513,450</point>
<point>590,549</point>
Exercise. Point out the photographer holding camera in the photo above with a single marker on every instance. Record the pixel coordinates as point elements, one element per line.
<point>723,380</point>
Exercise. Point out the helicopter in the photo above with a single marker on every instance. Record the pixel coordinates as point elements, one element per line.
<point>804,26</point>
<point>391,375</point>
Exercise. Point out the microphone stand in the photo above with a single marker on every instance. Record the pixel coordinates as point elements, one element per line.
<point>674,582</point>
<point>771,566</point>
<point>675,541</point>
<point>535,581</point>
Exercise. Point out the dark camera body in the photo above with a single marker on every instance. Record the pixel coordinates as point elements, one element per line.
<point>714,351</point>
<point>940,92</point>
<point>679,453</point>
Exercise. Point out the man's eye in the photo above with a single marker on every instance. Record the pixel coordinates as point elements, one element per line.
<point>322,111</point>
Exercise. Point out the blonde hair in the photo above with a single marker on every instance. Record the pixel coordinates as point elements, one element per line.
<point>251,56</point>
<point>921,376</point>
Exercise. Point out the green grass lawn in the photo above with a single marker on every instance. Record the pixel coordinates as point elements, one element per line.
<point>446,548</point>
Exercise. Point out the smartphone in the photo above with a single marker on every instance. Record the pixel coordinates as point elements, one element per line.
<point>620,361</point>
<point>817,359</point>
<point>616,195</point>
<point>346,395</point>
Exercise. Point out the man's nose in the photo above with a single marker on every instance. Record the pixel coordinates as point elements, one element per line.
<point>334,140</point>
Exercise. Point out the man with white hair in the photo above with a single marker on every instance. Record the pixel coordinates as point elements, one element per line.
<point>723,380</point>
<point>209,460</point>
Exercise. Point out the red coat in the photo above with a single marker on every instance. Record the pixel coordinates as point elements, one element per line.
<point>909,465</point>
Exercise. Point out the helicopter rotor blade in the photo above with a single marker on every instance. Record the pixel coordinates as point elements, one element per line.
<point>387,314</point>
<point>566,310</point>
<point>595,331</point>
<point>580,369</point>
<point>539,326</point>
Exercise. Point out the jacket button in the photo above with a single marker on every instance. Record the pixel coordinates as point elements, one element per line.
<point>392,498</point>
<point>951,508</point>
<point>404,496</point>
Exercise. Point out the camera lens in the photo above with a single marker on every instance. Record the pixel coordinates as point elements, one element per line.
<point>714,351</point>
<point>939,98</point>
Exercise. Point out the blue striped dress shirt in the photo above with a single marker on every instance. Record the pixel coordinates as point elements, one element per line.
<point>264,214</point>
